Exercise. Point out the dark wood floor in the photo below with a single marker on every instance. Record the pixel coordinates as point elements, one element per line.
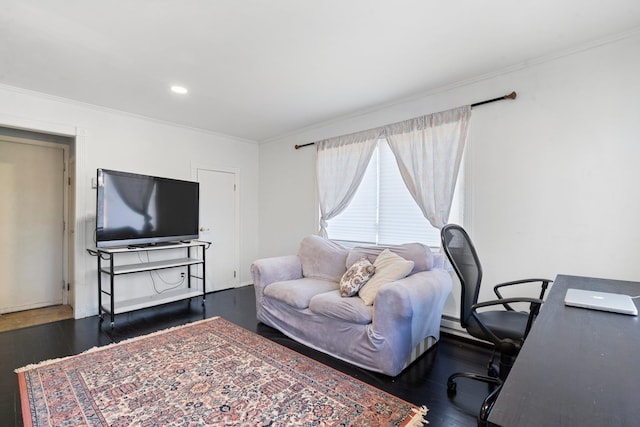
<point>423,383</point>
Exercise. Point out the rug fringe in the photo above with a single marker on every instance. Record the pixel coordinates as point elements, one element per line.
<point>104,347</point>
<point>33,366</point>
<point>418,419</point>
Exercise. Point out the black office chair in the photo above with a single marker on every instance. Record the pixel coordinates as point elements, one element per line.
<point>506,328</point>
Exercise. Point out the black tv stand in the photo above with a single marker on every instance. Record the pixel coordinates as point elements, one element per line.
<point>106,297</point>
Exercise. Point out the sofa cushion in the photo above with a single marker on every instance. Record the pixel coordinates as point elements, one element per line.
<point>420,254</point>
<point>355,277</point>
<point>352,310</point>
<point>297,293</point>
<point>389,268</point>
<point>322,258</point>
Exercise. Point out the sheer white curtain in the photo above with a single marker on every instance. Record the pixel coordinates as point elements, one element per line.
<point>428,150</point>
<point>340,166</point>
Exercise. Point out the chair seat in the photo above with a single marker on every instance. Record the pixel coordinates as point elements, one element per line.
<point>505,324</point>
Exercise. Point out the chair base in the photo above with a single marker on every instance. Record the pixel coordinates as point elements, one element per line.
<point>503,367</point>
<point>488,402</point>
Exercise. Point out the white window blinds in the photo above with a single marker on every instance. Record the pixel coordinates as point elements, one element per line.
<point>382,210</point>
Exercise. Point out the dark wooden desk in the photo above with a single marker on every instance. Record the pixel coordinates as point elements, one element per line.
<point>578,367</point>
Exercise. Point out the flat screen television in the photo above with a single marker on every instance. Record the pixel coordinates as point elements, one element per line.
<point>140,210</point>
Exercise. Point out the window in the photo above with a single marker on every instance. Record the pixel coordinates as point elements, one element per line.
<point>382,210</point>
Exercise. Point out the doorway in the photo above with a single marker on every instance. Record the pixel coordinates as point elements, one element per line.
<point>219,219</point>
<point>33,223</point>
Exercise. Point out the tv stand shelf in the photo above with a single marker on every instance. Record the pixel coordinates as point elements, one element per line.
<point>107,256</point>
<point>151,300</point>
<point>149,266</point>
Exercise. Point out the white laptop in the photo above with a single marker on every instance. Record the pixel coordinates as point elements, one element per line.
<point>616,303</point>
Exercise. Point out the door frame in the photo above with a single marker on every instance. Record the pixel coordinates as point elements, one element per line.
<point>81,265</point>
<point>195,166</point>
<point>65,204</point>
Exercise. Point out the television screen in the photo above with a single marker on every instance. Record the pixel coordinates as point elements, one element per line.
<point>134,209</point>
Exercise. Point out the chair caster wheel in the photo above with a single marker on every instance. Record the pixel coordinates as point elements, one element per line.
<point>493,372</point>
<point>451,388</point>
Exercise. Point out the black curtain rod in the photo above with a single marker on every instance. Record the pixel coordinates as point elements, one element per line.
<point>512,95</point>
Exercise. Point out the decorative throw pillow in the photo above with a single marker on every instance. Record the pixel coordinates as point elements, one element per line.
<point>355,277</point>
<point>389,268</point>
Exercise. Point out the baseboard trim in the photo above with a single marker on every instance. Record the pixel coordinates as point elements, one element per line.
<point>451,325</point>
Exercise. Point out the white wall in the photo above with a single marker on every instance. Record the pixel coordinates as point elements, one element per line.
<point>552,176</point>
<point>114,140</point>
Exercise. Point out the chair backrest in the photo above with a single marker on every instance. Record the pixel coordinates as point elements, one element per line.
<point>464,259</point>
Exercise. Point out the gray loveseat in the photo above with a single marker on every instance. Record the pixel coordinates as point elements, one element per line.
<point>300,296</point>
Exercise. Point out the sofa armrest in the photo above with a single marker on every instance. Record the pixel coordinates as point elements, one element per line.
<point>410,309</point>
<point>275,269</point>
<point>438,260</point>
<point>266,271</point>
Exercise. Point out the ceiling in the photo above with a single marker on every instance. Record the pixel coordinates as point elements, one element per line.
<point>259,69</point>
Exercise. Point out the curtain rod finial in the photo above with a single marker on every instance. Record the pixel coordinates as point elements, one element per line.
<point>512,95</point>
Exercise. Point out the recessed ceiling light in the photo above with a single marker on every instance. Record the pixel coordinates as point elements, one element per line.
<point>179,89</point>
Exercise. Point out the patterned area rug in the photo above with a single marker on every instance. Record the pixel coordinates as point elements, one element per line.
<point>209,372</point>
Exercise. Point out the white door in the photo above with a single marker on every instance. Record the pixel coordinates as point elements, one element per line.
<point>31,226</point>
<point>218,225</point>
